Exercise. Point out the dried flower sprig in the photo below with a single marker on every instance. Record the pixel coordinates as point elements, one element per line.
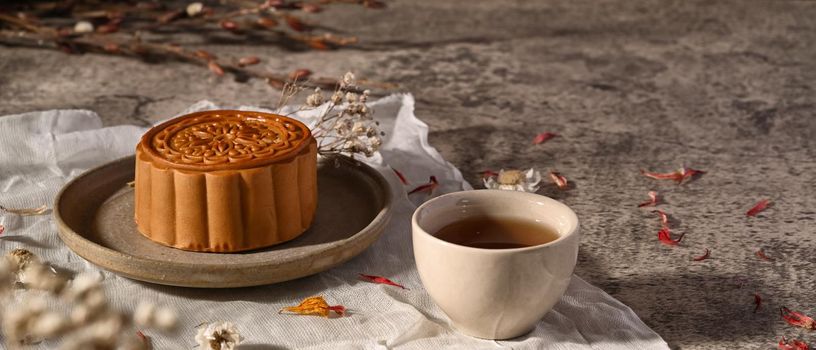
<point>84,319</point>
<point>514,180</point>
<point>345,124</point>
<point>115,28</point>
<point>218,336</point>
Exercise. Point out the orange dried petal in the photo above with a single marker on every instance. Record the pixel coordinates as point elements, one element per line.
<point>315,306</point>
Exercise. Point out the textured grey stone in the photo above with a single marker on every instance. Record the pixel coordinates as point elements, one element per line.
<point>727,87</point>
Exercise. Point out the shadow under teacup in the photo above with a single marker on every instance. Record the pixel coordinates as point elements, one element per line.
<point>495,293</point>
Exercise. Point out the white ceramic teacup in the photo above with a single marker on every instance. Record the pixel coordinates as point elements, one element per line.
<point>494,293</point>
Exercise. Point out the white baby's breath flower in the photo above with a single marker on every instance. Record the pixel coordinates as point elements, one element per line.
<point>337,97</point>
<point>218,336</point>
<point>351,97</point>
<point>83,27</point>
<point>42,277</point>
<point>193,9</point>
<point>19,320</point>
<point>315,99</point>
<point>49,324</point>
<point>348,79</point>
<point>514,180</point>
<point>149,315</point>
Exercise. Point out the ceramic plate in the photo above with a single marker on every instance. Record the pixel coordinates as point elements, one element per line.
<point>94,213</point>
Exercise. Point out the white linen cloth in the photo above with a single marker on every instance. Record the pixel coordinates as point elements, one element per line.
<point>41,151</point>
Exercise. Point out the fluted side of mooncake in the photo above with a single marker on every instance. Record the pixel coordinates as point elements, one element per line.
<point>226,210</point>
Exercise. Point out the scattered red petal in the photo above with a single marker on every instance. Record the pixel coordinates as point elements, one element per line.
<point>170,16</point>
<point>757,301</point>
<point>373,4</point>
<point>266,22</point>
<point>318,44</point>
<point>428,187</point>
<point>107,28</point>
<point>111,47</point>
<point>559,180</point>
<point>312,8</point>
<point>664,219</point>
<point>704,256</point>
<point>215,68</point>
<point>248,61</point>
<point>761,254</point>
<point>299,74</point>
<point>488,173</point>
<point>400,176</point>
<point>229,25</point>
<point>797,319</point>
<point>296,24</point>
<point>651,202</point>
<point>204,55</point>
<point>141,336</point>
<point>339,309</point>
<point>794,344</point>
<point>664,235</point>
<point>678,175</point>
<point>543,137</point>
<point>760,206</point>
<point>381,280</point>
<point>2,229</point>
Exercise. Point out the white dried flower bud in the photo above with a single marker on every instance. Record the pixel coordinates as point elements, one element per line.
<point>351,97</point>
<point>95,299</point>
<point>195,8</point>
<point>83,27</point>
<point>49,324</point>
<point>337,98</point>
<point>143,315</point>
<point>218,336</point>
<point>21,258</point>
<point>41,277</point>
<point>358,128</point>
<point>80,314</point>
<point>315,99</point>
<point>83,284</point>
<point>106,329</point>
<point>166,319</point>
<point>348,79</point>
<point>515,180</point>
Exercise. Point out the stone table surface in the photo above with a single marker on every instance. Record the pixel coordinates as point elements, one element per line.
<point>726,87</point>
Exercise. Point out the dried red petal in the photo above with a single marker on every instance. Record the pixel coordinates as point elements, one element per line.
<point>651,202</point>
<point>170,16</point>
<point>215,68</point>
<point>248,61</point>
<point>794,344</point>
<point>428,187</point>
<point>266,22</point>
<point>380,280</point>
<point>229,25</point>
<point>798,319</point>
<point>664,235</point>
<point>664,219</point>
<point>543,137</point>
<point>111,47</point>
<point>141,336</point>
<point>400,176</point>
<point>760,206</point>
<point>312,8</point>
<point>559,180</point>
<point>2,229</point>
<point>318,44</point>
<point>761,254</point>
<point>339,309</point>
<point>296,24</point>
<point>107,28</point>
<point>299,74</point>
<point>204,55</point>
<point>488,173</point>
<point>678,175</point>
<point>704,256</point>
<point>373,4</point>
<point>757,301</point>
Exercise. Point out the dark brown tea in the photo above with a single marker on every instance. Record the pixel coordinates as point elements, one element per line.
<point>490,232</point>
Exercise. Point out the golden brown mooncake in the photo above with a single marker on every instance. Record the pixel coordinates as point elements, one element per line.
<point>225,181</point>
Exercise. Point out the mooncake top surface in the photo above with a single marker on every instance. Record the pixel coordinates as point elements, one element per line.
<point>225,139</point>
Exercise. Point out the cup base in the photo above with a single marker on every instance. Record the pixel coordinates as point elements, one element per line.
<point>490,336</point>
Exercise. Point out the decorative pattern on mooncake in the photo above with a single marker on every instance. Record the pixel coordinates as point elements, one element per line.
<point>226,181</point>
